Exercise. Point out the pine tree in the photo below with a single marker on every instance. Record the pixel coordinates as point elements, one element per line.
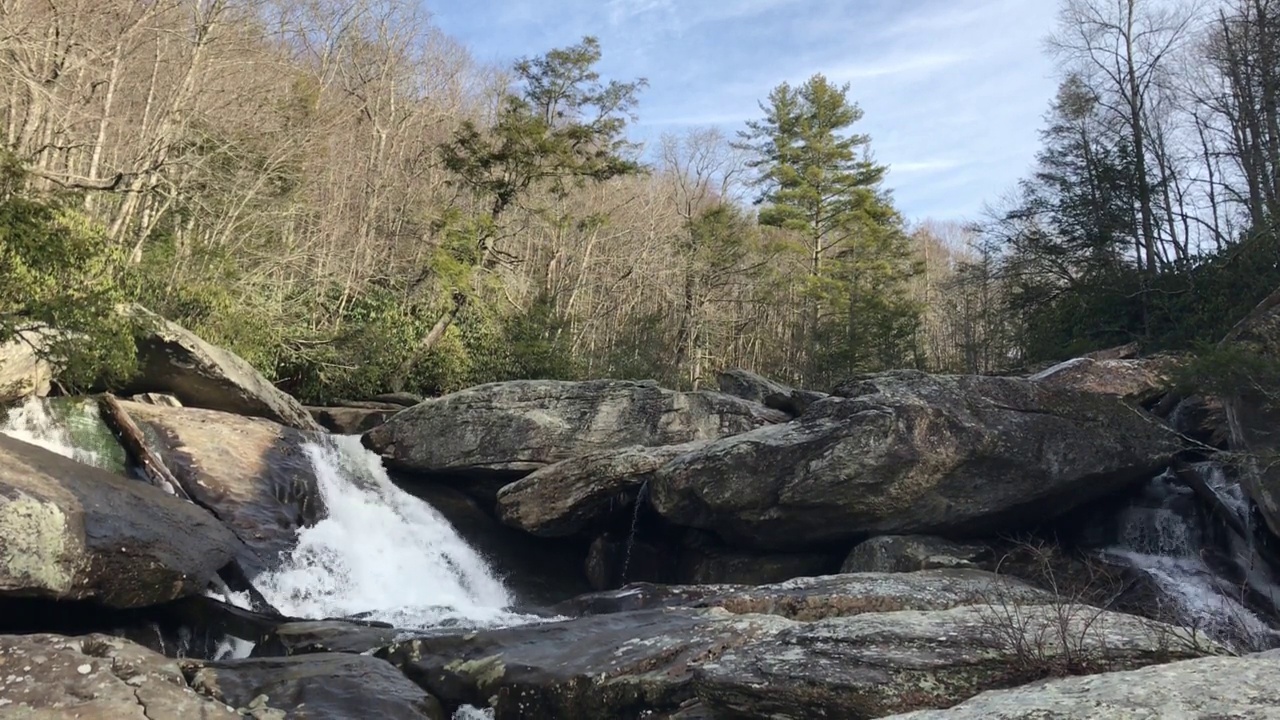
<point>819,182</point>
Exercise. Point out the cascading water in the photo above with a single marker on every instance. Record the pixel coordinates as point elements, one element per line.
<point>380,553</point>
<point>1165,534</point>
<point>71,428</point>
<point>383,554</point>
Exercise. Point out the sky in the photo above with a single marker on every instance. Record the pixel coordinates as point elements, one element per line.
<point>954,91</point>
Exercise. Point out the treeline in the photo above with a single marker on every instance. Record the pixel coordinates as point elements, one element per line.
<point>338,192</point>
<point>1151,214</point>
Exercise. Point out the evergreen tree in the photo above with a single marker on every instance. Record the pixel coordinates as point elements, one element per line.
<point>819,182</point>
<point>562,129</point>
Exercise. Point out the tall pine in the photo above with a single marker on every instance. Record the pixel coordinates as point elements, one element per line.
<point>819,183</point>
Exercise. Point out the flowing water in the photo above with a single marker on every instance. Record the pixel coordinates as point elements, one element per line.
<point>70,427</point>
<point>381,553</point>
<point>1205,573</point>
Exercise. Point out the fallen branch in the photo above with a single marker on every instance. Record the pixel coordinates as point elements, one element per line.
<point>135,444</point>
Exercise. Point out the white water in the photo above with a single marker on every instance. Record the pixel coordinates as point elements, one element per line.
<point>1161,542</point>
<point>382,553</point>
<point>468,712</point>
<point>32,423</point>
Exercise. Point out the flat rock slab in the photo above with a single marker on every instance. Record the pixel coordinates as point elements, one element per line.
<point>96,677</point>
<point>605,666</point>
<point>909,453</point>
<point>325,686</point>
<point>816,598</point>
<point>876,664</point>
<point>517,427</point>
<point>1215,688</point>
<point>908,553</point>
<point>70,531</point>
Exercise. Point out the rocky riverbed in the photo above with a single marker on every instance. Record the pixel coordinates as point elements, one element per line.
<point>904,544</point>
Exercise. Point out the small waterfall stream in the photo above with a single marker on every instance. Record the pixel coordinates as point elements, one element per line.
<point>1210,577</point>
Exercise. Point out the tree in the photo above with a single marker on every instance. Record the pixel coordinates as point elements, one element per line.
<point>60,272</point>
<point>819,183</point>
<point>564,128</point>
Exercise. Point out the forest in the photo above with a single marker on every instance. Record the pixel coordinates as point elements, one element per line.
<point>338,192</point>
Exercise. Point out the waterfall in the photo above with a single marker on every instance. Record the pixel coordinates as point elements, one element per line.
<point>379,554</point>
<point>382,554</point>
<point>70,427</point>
<point>1166,535</point>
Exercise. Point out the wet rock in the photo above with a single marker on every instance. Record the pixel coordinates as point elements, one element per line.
<point>808,599</point>
<point>877,664</point>
<point>253,474</point>
<point>173,360</point>
<point>908,553</point>
<point>71,531</point>
<point>95,676</point>
<point>351,420</point>
<point>1140,381</point>
<point>513,428</point>
<point>1206,688</point>
<point>604,666</point>
<point>910,453</point>
<point>25,369</point>
<point>325,636</point>
<point>614,560</point>
<point>326,686</point>
<point>565,498</point>
<point>539,571</point>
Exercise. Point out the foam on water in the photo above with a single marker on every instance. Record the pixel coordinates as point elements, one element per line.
<point>468,712</point>
<point>32,423</point>
<point>382,554</point>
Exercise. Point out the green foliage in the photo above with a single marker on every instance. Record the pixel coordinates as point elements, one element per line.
<point>564,128</point>
<point>1229,369</point>
<point>820,183</point>
<point>61,272</point>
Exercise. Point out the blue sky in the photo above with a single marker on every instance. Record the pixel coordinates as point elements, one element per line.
<point>954,91</point>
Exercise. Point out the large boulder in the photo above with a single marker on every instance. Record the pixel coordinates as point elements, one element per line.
<point>1205,688</point>
<point>1140,381</point>
<point>821,647</point>
<point>25,370</point>
<point>877,664</point>
<point>565,498</point>
<point>70,531</point>
<point>514,428</point>
<point>253,474</point>
<point>49,677</point>
<point>910,453</point>
<point>173,360</point>
<point>324,685</point>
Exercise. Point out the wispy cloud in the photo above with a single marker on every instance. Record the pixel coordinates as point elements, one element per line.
<point>953,91</point>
